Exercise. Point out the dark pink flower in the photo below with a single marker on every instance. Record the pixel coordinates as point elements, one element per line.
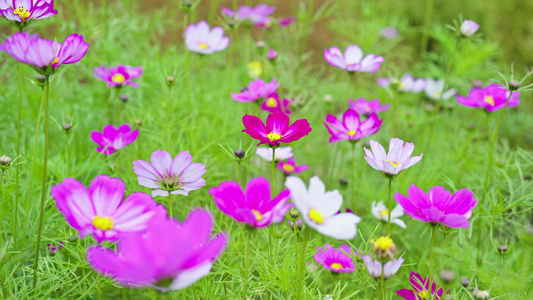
<point>352,60</point>
<point>273,104</point>
<point>420,289</point>
<point>169,256</point>
<point>254,206</point>
<point>119,76</point>
<point>112,139</point>
<point>276,130</point>
<point>351,128</point>
<point>290,167</point>
<point>363,107</point>
<point>438,206</point>
<point>492,98</point>
<point>23,11</point>
<point>339,261</point>
<point>257,89</point>
<point>100,209</point>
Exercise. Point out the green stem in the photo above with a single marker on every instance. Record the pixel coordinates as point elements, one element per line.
<point>350,75</point>
<point>202,73</point>
<point>1,203</point>
<point>43,186</point>
<point>99,285</point>
<point>170,195</point>
<point>448,72</point>
<point>393,117</point>
<point>169,112</point>
<point>382,282</point>
<point>425,33</point>
<point>187,74</point>
<point>118,104</point>
<point>68,154</point>
<point>431,250</point>
<point>296,252</point>
<point>352,184</point>
<point>17,169</point>
<point>302,267</point>
<point>273,169</point>
<point>246,267</point>
<point>389,207</point>
<point>240,173</point>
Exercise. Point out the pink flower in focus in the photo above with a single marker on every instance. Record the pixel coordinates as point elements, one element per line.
<point>100,209</point>
<point>363,107</point>
<point>276,130</point>
<point>119,76</point>
<point>201,39</point>
<point>170,256</point>
<point>352,60</point>
<point>112,139</point>
<point>165,175</point>
<point>338,261</point>
<point>392,163</point>
<point>351,128</point>
<point>492,98</point>
<point>290,167</point>
<point>254,206</point>
<point>257,89</point>
<point>23,11</point>
<point>273,104</point>
<point>420,289</point>
<point>438,206</point>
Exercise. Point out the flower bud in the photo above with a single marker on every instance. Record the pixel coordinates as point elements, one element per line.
<point>67,127</point>
<point>186,6</point>
<point>73,238</point>
<point>477,83</point>
<point>40,79</point>
<point>260,44</point>
<point>298,224</point>
<point>328,98</point>
<point>239,153</point>
<point>294,214</point>
<point>469,28</point>
<point>514,85</point>
<point>5,160</point>
<point>480,295</point>
<point>472,126</point>
<point>231,23</point>
<point>343,182</point>
<point>272,54</point>
<point>124,98</point>
<point>465,282</point>
<point>170,80</point>
<point>138,123</point>
<point>447,276</point>
<point>502,250</point>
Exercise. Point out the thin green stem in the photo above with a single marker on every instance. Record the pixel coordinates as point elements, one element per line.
<point>99,285</point>
<point>448,72</point>
<point>273,169</point>
<point>17,168</point>
<point>187,74</point>
<point>389,207</point>
<point>43,186</point>
<point>170,195</point>
<point>425,32</point>
<point>352,184</point>
<point>246,267</point>
<point>350,76</point>
<point>382,282</point>
<point>240,173</point>
<point>394,107</point>
<point>169,112</point>
<point>296,252</point>
<point>1,203</point>
<point>202,73</point>
<point>431,250</point>
<point>68,154</point>
<point>302,265</point>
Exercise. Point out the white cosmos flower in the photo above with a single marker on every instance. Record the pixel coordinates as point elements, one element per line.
<point>435,90</point>
<point>319,208</point>
<point>281,153</point>
<point>374,267</point>
<point>381,212</point>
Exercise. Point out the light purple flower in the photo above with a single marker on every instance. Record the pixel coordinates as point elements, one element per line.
<point>469,28</point>
<point>165,175</point>
<point>255,14</point>
<point>374,267</point>
<point>170,256</point>
<point>389,32</point>
<point>23,11</point>
<point>201,39</point>
<point>338,261</point>
<point>406,84</point>
<point>119,76</point>
<point>255,206</point>
<point>492,98</point>
<point>101,211</point>
<point>363,107</point>
<point>351,128</point>
<point>352,60</point>
<point>392,163</point>
<point>272,54</point>
<point>112,139</point>
<point>438,206</point>
<point>290,167</point>
<point>257,89</point>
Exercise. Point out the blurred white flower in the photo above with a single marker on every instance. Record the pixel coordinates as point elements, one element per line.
<point>381,212</point>
<point>281,153</point>
<point>435,90</point>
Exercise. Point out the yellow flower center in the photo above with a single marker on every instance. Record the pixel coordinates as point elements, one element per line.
<point>203,46</point>
<point>383,243</point>
<point>273,136</point>
<point>316,216</point>
<point>55,61</point>
<point>393,163</point>
<point>255,69</point>
<point>271,102</point>
<point>118,78</point>
<point>22,13</point>
<point>335,266</point>
<point>288,168</point>
<point>257,214</point>
<point>489,100</point>
<point>384,213</point>
<point>423,294</point>
<point>103,223</point>
<point>437,95</point>
<point>351,132</point>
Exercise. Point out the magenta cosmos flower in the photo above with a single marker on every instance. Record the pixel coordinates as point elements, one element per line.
<point>170,256</point>
<point>100,211</point>
<point>119,76</point>
<point>253,206</point>
<point>420,289</point>
<point>45,55</point>
<point>438,206</point>
<point>352,60</point>
<point>112,139</point>
<point>392,163</point>
<point>492,98</point>
<point>257,89</point>
<point>165,175</point>
<point>363,107</point>
<point>273,104</point>
<point>351,128</point>
<point>276,130</point>
<point>338,261</point>
<point>290,167</point>
<point>22,12</point>
<point>375,267</point>
<point>202,39</point>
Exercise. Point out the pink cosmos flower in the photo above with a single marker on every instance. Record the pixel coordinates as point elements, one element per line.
<point>375,267</point>
<point>254,206</point>
<point>165,175</point>
<point>338,261</point>
<point>201,39</point>
<point>420,289</point>
<point>469,28</point>
<point>272,54</point>
<point>100,211</point>
<point>406,84</point>
<point>353,60</point>
<point>276,130</point>
<point>351,128</point>
<point>392,163</point>
<point>23,11</point>
<point>45,55</point>
<point>438,206</point>
<point>363,107</point>
<point>290,167</point>
<point>492,98</point>
<point>170,256</point>
<point>267,22</point>
<point>255,14</point>
<point>389,32</point>
<point>273,104</point>
<point>112,139</point>
<point>257,89</point>
<point>119,76</point>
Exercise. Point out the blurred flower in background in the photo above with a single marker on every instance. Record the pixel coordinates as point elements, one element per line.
<point>353,60</point>
<point>202,39</point>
